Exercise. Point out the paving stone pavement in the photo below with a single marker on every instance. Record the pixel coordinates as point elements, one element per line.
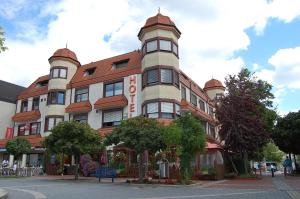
<point>281,185</point>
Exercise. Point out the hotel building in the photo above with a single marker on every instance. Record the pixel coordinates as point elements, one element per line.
<point>146,82</point>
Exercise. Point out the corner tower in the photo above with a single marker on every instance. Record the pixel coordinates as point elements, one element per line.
<point>160,67</point>
<point>63,66</point>
<point>214,89</point>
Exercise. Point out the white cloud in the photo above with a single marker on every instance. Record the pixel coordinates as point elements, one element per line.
<point>212,31</point>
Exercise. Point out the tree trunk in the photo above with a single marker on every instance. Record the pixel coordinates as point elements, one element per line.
<point>245,157</point>
<point>141,167</point>
<point>76,167</point>
<point>233,165</point>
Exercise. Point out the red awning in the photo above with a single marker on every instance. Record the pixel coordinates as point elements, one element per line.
<point>27,116</point>
<point>111,102</point>
<point>79,107</point>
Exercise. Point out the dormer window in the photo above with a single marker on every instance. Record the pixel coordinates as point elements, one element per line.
<point>120,64</point>
<point>58,72</point>
<point>42,83</point>
<point>89,71</point>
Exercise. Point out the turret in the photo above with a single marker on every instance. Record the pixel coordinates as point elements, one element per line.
<point>63,66</point>
<point>214,89</point>
<point>160,67</point>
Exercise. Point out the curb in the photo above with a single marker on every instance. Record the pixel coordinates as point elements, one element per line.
<point>3,194</point>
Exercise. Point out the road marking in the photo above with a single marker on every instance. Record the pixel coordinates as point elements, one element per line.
<point>37,185</point>
<point>37,195</point>
<point>202,196</point>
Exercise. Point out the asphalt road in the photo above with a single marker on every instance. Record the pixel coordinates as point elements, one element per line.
<point>29,188</point>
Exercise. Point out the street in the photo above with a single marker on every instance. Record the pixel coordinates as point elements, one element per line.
<point>39,188</point>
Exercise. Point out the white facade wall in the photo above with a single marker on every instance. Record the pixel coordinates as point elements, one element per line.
<point>95,116</point>
<point>7,110</point>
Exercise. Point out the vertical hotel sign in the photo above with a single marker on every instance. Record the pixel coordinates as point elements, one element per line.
<point>132,107</point>
<point>9,133</point>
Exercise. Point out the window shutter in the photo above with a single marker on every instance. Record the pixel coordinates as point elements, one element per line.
<point>112,116</point>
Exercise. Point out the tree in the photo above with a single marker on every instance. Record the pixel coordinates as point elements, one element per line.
<point>18,146</point>
<point>2,40</point>
<point>287,133</point>
<point>243,114</point>
<point>73,138</point>
<point>187,135</point>
<point>272,153</point>
<point>139,134</point>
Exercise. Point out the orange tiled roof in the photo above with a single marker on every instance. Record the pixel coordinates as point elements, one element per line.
<point>35,140</point>
<point>163,22</point>
<point>64,53</point>
<point>188,106</point>
<point>34,90</point>
<point>111,102</point>
<point>104,70</point>
<point>79,107</point>
<point>26,116</point>
<point>213,83</point>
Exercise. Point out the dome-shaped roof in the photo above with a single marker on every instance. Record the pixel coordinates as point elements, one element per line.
<point>64,53</point>
<point>160,21</point>
<point>212,84</point>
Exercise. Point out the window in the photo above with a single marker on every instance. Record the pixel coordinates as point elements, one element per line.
<point>152,110</point>
<point>34,128</point>
<point>58,73</point>
<point>177,110</point>
<point>51,122</point>
<point>166,76</point>
<point>24,106</point>
<point>21,129</point>
<point>89,71</point>
<point>175,49</point>
<point>113,89</point>
<point>151,46</point>
<point>160,75</point>
<point>194,99</point>
<point>82,118</point>
<point>183,93</point>
<point>120,64</point>
<point>81,95</point>
<point>211,111</point>
<point>176,78</point>
<point>219,96</point>
<point>57,97</point>
<point>152,76</point>
<point>42,83</point>
<point>112,118</point>
<point>212,131</point>
<point>35,103</point>
<point>202,105</point>
<point>168,110</point>
<point>165,45</point>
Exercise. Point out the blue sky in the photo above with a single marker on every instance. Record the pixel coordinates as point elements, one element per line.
<point>218,37</point>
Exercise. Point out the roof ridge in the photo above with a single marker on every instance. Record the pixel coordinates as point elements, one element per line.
<point>138,50</point>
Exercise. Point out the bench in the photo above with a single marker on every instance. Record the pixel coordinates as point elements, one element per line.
<point>105,172</point>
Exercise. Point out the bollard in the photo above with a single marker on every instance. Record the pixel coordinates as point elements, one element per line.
<point>272,170</point>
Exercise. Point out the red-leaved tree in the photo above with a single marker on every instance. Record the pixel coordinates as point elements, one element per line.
<point>242,114</point>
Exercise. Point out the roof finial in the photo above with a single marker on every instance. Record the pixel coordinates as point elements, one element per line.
<point>66,44</point>
<point>158,10</point>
